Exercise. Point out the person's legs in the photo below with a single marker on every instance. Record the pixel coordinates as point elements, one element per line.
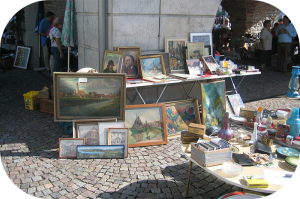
<point>279,55</point>
<point>286,51</point>
<point>56,55</point>
<point>46,57</point>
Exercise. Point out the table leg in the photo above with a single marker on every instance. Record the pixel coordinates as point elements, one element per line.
<point>188,182</point>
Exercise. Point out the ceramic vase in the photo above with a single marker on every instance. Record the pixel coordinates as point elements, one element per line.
<point>295,115</point>
<point>225,132</point>
<point>294,123</point>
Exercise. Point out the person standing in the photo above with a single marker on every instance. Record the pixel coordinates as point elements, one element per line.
<point>285,33</point>
<point>265,45</point>
<point>56,49</point>
<point>44,27</point>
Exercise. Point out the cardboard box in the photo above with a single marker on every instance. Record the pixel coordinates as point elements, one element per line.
<point>44,95</point>
<point>187,137</point>
<point>210,158</point>
<point>47,105</point>
<point>197,128</point>
<point>247,113</point>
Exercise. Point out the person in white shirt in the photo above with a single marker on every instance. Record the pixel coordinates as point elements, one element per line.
<point>265,45</point>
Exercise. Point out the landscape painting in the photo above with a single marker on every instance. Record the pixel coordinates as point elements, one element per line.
<point>213,103</point>
<point>89,96</point>
<point>146,124</point>
<point>180,114</point>
<point>100,152</point>
<point>152,66</point>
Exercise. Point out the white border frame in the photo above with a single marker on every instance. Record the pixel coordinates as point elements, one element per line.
<point>202,34</point>
<point>105,126</point>
<point>112,130</point>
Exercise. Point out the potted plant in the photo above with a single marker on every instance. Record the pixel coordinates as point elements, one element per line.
<point>15,28</point>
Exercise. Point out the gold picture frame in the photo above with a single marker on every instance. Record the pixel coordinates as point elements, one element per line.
<point>82,96</point>
<point>152,66</point>
<point>195,50</point>
<point>134,52</point>
<point>113,56</point>
<point>177,60</point>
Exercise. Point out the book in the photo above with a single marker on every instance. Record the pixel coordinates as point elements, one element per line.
<point>256,181</point>
<point>185,76</point>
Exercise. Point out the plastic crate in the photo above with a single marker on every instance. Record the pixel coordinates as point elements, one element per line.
<point>31,101</point>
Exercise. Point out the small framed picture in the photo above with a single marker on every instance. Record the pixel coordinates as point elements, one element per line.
<point>195,50</point>
<point>68,147</point>
<point>103,130</point>
<point>130,65</point>
<point>202,37</point>
<point>194,66</point>
<point>100,152</point>
<point>210,63</point>
<point>176,47</point>
<point>111,61</point>
<point>22,57</point>
<point>166,58</point>
<point>119,136</point>
<point>90,132</point>
<point>152,66</point>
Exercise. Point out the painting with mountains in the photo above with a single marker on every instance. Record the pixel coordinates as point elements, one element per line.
<point>89,96</point>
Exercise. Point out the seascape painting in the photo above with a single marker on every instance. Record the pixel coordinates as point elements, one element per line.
<point>213,103</point>
<point>180,114</point>
<point>101,152</point>
<point>146,124</point>
<point>83,97</point>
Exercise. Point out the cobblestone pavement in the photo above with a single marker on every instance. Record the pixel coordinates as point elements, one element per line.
<point>29,151</point>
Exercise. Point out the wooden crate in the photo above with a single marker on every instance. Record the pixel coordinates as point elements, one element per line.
<point>47,105</point>
<point>197,128</point>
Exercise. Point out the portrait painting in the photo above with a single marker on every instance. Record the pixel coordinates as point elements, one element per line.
<point>119,136</point>
<point>68,147</point>
<point>213,103</point>
<point>180,114</point>
<point>236,103</point>
<point>146,124</point>
<point>195,50</point>
<point>100,152</point>
<point>89,96</point>
<point>90,132</point>
<point>176,47</point>
<point>152,66</point>
<point>111,61</point>
<point>130,65</point>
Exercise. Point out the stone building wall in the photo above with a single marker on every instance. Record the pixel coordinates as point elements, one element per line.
<point>55,6</point>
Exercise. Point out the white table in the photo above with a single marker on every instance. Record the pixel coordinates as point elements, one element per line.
<point>200,79</point>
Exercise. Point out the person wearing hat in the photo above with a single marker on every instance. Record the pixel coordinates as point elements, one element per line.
<point>109,68</point>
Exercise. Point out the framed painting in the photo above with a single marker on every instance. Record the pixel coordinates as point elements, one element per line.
<point>100,152</point>
<point>180,114</point>
<point>207,50</point>
<point>202,37</point>
<point>193,66</point>
<point>166,58</point>
<point>130,65</point>
<point>152,66</point>
<point>103,130</point>
<point>210,63</point>
<point>111,61</point>
<point>76,122</point>
<point>68,147</point>
<point>146,124</point>
<point>119,136</point>
<point>236,103</point>
<point>195,50</point>
<point>176,47</point>
<point>89,131</point>
<point>79,96</point>
<point>213,103</point>
<point>22,57</point>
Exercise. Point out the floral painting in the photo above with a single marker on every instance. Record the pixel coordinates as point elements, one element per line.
<point>213,103</point>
